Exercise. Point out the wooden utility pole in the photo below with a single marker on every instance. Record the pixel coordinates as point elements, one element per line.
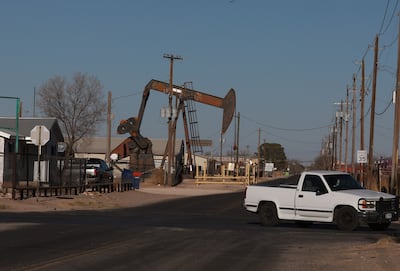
<point>353,138</point>
<point>335,140</point>
<point>372,121</point>
<point>347,129</point>
<point>237,143</point>
<point>171,132</point>
<point>362,93</point>
<point>331,149</point>
<point>258,153</point>
<point>394,187</point>
<point>108,152</point>
<point>341,135</point>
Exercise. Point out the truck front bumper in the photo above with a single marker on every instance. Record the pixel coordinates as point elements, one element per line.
<point>378,217</point>
<point>385,211</point>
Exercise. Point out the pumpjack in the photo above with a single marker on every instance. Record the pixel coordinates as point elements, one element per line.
<point>139,148</point>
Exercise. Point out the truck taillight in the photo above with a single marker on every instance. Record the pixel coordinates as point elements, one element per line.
<point>95,172</point>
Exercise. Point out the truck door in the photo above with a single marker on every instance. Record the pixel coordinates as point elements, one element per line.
<point>313,200</point>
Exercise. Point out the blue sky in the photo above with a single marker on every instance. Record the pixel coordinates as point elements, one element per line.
<point>289,61</point>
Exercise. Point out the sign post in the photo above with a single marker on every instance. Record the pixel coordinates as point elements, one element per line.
<point>40,135</point>
<point>362,159</point>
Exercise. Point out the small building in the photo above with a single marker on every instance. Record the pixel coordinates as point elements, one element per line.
<point>21,167</point>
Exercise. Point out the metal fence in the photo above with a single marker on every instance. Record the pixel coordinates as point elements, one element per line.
<point>24,176</point>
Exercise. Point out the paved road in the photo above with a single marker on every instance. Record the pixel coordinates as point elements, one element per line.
<point>200,233</point>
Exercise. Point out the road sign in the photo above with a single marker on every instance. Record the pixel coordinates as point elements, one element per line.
<point>362,157</point>
<point>61,146</point>
<point>269,167</point>
<point>40,135</point>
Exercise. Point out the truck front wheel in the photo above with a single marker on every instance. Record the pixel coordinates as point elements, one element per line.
<point>346,218</point>
<point>268,215</point>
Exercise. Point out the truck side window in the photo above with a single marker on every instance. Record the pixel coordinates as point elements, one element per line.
<point>313,183</point>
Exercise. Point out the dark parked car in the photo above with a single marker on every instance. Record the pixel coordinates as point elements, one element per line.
<point>98,172</point>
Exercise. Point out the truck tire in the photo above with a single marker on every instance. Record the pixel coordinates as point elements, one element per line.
<point>346,218</point>
<point>268,215</point>
<point>379,226</point>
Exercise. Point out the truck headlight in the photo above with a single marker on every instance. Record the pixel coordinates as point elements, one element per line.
<point>364,204</point>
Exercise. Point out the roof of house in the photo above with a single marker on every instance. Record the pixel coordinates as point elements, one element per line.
<point>25,125</point>
<point>99,145</point>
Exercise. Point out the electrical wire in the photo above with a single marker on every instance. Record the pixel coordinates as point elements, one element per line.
<point>126,96</point>
<point>384,16</point>
<point>285,129</point>
<point>391,18</point>
<point>387,107</point>
<point>290,140</point>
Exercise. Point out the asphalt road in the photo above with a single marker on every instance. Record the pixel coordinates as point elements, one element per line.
<point>200,233</point>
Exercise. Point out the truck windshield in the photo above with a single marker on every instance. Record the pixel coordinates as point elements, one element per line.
<point>342,182</point>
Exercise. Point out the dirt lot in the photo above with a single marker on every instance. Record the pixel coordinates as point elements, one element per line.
<point>148,193</point>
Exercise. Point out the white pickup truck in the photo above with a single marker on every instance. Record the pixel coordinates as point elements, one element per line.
<point>321,196</point>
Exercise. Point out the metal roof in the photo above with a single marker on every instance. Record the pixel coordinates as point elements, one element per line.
<point>8,125</point>
<point>99,145</point>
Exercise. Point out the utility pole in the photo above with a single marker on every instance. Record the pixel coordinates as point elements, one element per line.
<point>331,150</point>
<point>341,135</point>
<point>220,151</point>
<point>347,129</point>
<point>372,121</point>
<point>34,102</point>
<point>108,152</point>
<point>334,142</point>
<point>353,138</point>
<point>171,132</point>
<point>258,153</point>
<point>395,155</point>
<point>362,117</point>
<point>237,143</point>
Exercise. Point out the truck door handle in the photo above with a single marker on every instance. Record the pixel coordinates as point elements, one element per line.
<point>300,196</point>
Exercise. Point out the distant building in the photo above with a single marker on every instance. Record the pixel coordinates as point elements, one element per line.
<point>96,147</point>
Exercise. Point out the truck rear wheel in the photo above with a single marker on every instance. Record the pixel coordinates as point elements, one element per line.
<point>346,218</point>
<point>268,215</point>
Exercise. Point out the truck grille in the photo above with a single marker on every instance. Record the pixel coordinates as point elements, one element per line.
<point>387,205</point>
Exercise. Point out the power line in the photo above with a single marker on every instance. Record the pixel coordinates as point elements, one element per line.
<point>387,107</point>
<point>290,140</point>
<point>287,129</point>
<point>391,17</point>
<point>384,17</point>
<point>128,95</point>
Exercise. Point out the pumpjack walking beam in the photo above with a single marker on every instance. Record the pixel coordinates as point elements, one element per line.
<point>133,124</point>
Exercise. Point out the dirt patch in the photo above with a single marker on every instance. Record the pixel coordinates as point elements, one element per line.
<point>147,194</point>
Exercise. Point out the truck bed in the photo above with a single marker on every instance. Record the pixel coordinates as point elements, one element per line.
<point>289,182</point>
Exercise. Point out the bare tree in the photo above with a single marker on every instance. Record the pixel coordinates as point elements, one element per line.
<point>79,105</point>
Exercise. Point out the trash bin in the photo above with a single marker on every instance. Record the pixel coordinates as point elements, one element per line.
<point>136,179</point>
<point>127,178</point>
